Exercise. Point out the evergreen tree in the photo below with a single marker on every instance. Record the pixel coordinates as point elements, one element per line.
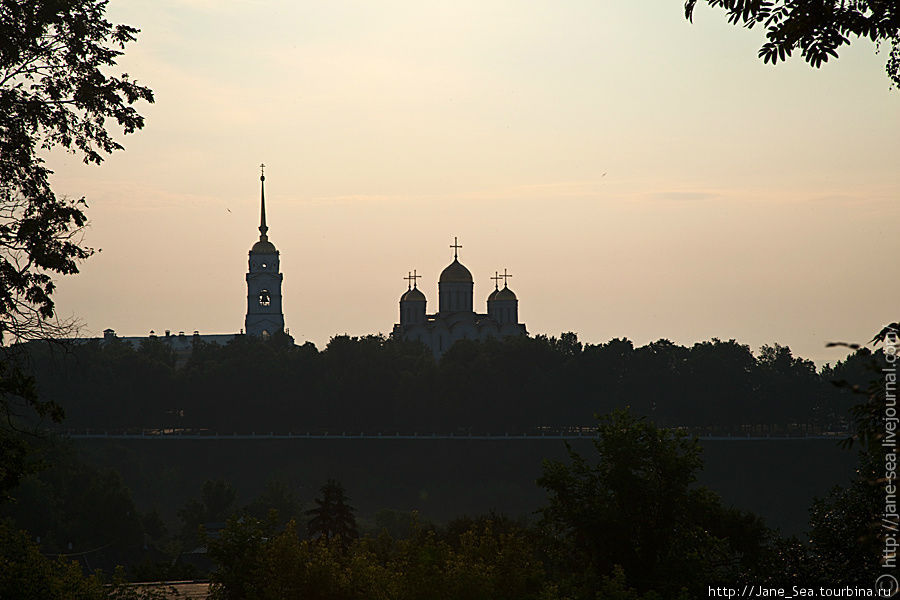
<point>332,519</point>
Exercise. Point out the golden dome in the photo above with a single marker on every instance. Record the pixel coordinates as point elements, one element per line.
<point>505,294</point>
<point>263,247</point>
<point>456,273</point>
<point>413,295</point>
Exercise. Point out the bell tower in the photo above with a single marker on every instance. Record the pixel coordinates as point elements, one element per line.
<point>264,314</point>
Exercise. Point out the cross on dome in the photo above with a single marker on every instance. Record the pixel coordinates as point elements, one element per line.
<point>455,245</point>
<point>411,278</point>
<point>497,277</point>
<point>505,276</point>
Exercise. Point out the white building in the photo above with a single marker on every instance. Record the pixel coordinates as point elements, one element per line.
<point>456,318</point>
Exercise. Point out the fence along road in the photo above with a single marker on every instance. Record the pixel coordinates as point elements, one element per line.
<point>211,436</point>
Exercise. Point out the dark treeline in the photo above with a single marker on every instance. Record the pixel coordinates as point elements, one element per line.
<point>374,384</point>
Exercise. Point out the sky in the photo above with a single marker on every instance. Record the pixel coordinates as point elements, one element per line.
<point>638,175</point>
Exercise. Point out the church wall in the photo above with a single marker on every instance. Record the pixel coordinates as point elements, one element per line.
<point>455,297</point>
<point>488,331</point>
<point>412,312</point>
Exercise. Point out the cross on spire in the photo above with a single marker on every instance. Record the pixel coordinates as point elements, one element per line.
<point>411,278</point>
<point>497,277</point>
<point>505,276</point>
<point>455,245</point>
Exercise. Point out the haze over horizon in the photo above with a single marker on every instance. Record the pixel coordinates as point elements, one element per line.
<point>638,175</point>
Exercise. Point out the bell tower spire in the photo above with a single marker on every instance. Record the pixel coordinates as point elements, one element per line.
<point>262,203</point>
<point>264,278</point>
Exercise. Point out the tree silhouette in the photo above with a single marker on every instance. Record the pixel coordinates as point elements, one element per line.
<point>817,28</point>
<point>638,508</point>
<point>332,519</point>
<point>53,94</point>
<point>373,384</point>
<point>215,505</point>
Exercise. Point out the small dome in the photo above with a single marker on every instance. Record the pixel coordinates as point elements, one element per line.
<point>264,247</point>
<point>456,273</point>
<point>413,295</point>
<point>493,295</point>
<point>505,294</point>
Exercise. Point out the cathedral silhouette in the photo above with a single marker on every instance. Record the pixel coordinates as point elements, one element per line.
<point>456,319</point>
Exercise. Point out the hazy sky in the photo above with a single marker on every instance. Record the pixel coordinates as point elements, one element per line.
<point>639,176</point>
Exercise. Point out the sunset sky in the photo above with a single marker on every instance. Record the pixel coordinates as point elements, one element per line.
<point>639,176</point>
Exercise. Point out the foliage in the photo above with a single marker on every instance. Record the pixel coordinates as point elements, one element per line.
<point>614,587</point>
<point>373,384</point>
<point>845,532</point>
<point>239,554</point>
<point>26,574</point>
<point>479,563</point>
<point>17,395</point>
<point>845,542</point>
<point>848,528</point>
<point>817,28</point>
<point>869,414</point>
<point>75,508</point>
<point>90,378</point>
<point>53,94</point>
<point>277,496</point>
<point>216,504</point>
<point>637,507</point>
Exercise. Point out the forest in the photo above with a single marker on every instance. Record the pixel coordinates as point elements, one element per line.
<point>374,384</point>
<point>644,404</point>
<point>624,519</point>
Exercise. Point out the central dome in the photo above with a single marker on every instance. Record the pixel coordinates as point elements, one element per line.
<point>456,273</point>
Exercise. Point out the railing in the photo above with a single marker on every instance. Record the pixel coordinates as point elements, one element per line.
<point>554,434</point>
